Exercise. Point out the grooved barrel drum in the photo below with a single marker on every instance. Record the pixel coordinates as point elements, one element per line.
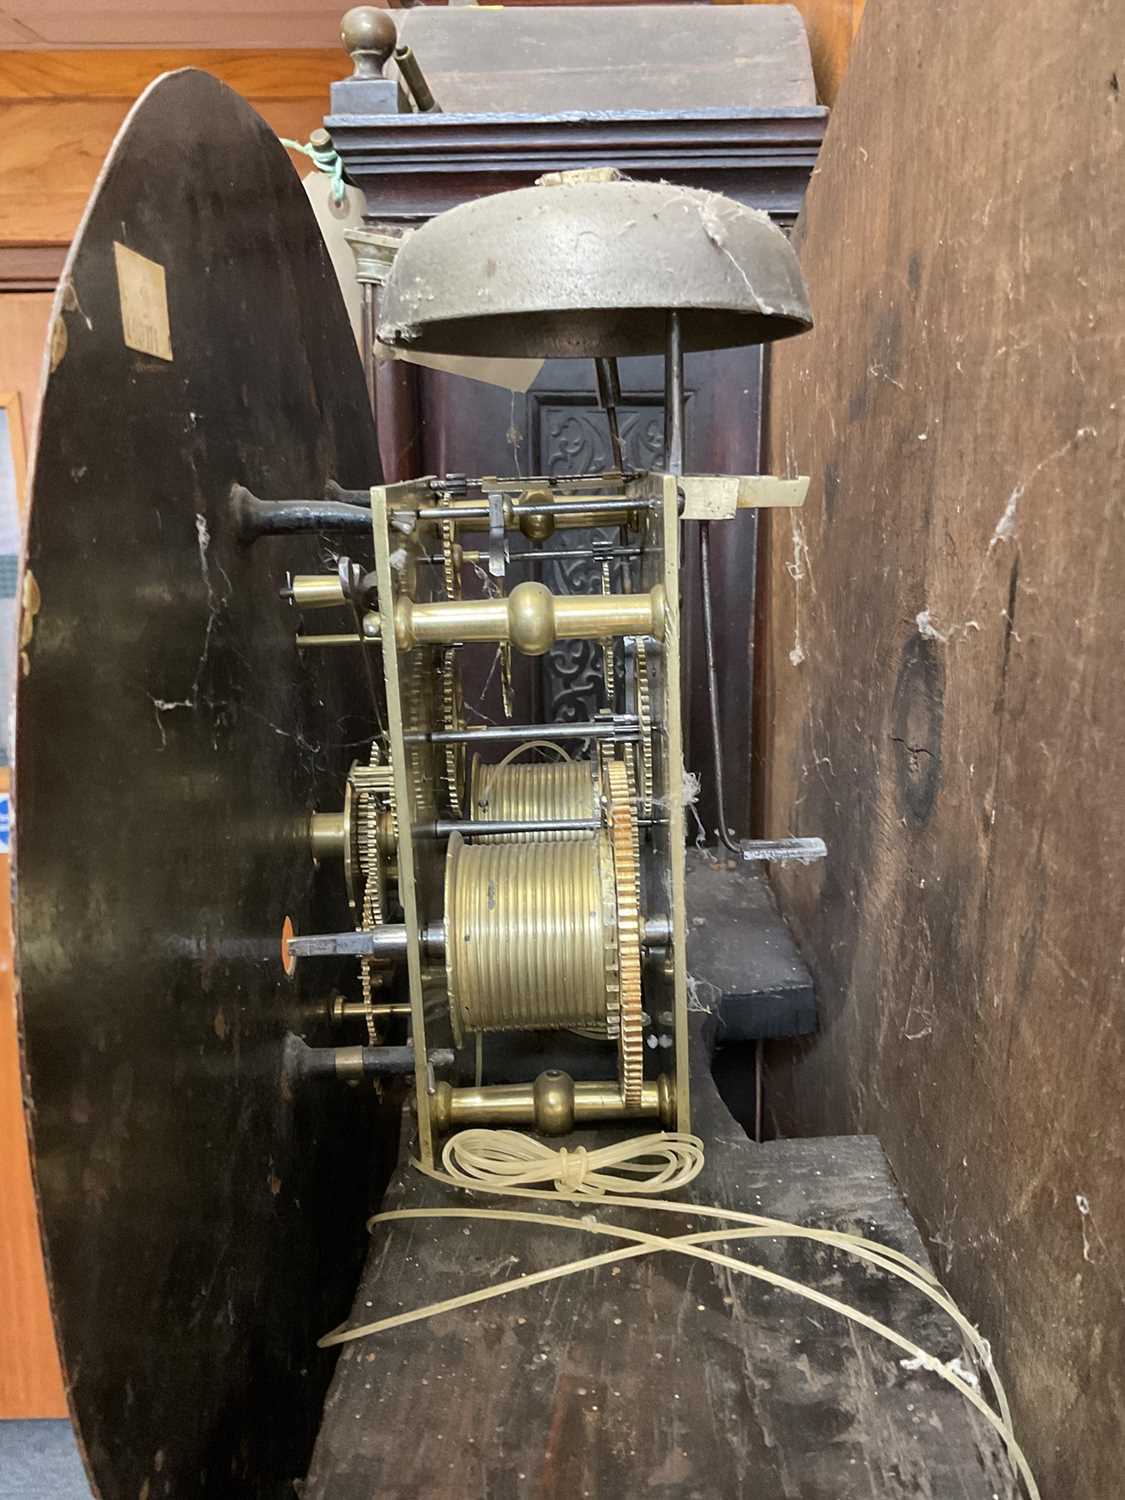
<point>530,934</point>
<point>534,792</point>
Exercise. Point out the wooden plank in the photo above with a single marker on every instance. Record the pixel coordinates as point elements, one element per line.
<point>14,33</point>
<point>23,336</point>
<point>301,73</point>
<point>657,1376</point>
<point>51,152</point>
<point>944,676</point>
<point>133,23</point>
<point>30,1373</point>
<point>31,268</point>
<point>743,964</point>
<point>831,27</point>
<point>499,60</point>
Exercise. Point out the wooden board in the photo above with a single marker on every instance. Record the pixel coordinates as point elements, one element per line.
<point>945,674</point>
<point>23,341</point>
<point>831,26</point>
<point>294,74</point>
<point>59,112</point>
<point>302,24</point>
<point>200,1209</point>
<point>497,60</point>
<point>30,1376</point>
<point>657,1376</point>
<point>743,964</point>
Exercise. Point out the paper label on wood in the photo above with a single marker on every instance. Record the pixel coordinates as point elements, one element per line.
<point>143,295</point>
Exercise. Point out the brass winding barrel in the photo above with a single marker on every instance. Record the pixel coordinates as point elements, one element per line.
<point>530,934</point>
<point>533,791</point>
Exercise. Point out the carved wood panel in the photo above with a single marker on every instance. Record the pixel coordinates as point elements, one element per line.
<point>573,438</point>
<point>468,427</point>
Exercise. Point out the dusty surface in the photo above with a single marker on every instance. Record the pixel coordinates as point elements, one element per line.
<point>944,680</point>
<point>657,1376</point>
<point>743,965</point>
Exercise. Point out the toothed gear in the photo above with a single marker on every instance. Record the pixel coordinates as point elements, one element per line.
<point>450,572</point>
<point>627,885</point>
<point>453,717</point>
<point>646,778</point>
<point>609,909</point>
<point>372,788</point>
<point>371,971</point>
<point>605,750</point>
<point>608,647</point>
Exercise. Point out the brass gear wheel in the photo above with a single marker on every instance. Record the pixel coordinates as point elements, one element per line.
<point>625,842</point>
<point>371,791</point>
<point>646,779</point>
<point>453,717</point>
<point>372,914</point>
<point>612,967</point>
<point>450,568</point>
<point>609,646</point>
